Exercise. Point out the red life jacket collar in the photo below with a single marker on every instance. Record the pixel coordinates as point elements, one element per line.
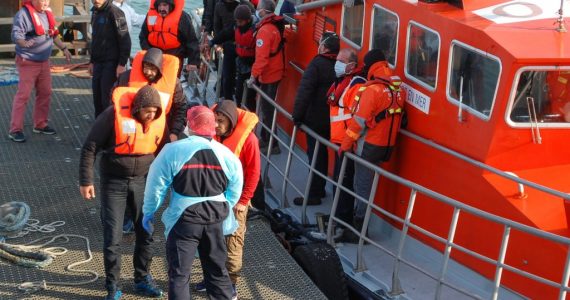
<point>38,26</point>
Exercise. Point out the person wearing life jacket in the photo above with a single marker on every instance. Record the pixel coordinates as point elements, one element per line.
<point>110,50</point>
<point>203,179</point>
<point>347,75</point>
<point>269,63</point>
<point>311,109</point>
<point>558,83</point>
<point>34,32</point>
<point>169,28</point>
<point>377,110</point>
<point>224,24</point>
<point>160,70</point>
<point>245,51</point>
<point>128,134</point>
<point>234,129</point>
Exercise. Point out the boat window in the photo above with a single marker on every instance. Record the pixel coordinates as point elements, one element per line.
<point>353,22</point>
<point>542,96</point>
<point>422,55</point>
<point>385,33</point>
<point>479,72</point>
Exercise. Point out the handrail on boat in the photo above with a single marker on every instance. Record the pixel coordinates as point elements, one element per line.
<point>458,207</point>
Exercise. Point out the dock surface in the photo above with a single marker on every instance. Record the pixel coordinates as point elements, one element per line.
<point>43,173</point>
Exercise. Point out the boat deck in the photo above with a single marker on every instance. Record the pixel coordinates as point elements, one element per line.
<point>43,173</point>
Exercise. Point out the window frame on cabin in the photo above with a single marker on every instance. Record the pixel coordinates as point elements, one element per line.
<point>412,77</point>
<point>451,72</point>
<point>513,94</point>
<point>373,27</point>
<point>342,22</point>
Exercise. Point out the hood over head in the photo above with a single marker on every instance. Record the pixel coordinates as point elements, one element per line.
<point>153,56</point>
<point>229,109</point>
<point>147,96</point>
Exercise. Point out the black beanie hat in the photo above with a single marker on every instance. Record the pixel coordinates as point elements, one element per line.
<point>242,12</point>
<point>331,41</point>
<point>147,96</point>
<point>373,56</point>
<point>229,109</point>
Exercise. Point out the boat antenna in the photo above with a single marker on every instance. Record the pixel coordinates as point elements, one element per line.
<point>560,21</point>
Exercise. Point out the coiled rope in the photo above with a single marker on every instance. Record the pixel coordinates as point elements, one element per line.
<point>15,223</point>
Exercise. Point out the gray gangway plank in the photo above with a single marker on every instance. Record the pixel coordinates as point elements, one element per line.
<point>43,173</point>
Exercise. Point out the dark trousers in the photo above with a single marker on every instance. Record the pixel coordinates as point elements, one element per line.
<point>345,207</point>
<point>118,195</point>
<point>317,185</point>
<point>104,76</point>
<point>267,109</point>
<point>240,87</point>
<point>229,71</point>
<point>181,245</point>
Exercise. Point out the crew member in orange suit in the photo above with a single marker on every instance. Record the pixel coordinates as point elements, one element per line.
<point>347,75</point>
<point>269,62</point>
<point>377,111</point>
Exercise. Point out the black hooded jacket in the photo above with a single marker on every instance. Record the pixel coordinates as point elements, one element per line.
<point>101,138</point>
<point>111,41</point>
<point>176,118</point>
<point>311,106</point>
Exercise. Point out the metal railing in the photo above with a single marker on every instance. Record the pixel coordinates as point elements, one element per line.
<point>459,209</point>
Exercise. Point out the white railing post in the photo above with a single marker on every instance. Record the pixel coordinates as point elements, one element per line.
<point>565,277</point>
<point>284,201</point>
<point>501,262</point>
<point>447,252</point>
<point>396,288</point>
<point>336,198</point>
<point>304,219</point>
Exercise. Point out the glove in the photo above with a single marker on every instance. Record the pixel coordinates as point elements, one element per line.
<point>250,81</point>
<point>148,223</point>
<point>346,146</point>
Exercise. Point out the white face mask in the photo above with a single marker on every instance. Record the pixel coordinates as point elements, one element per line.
<point>339,68</point>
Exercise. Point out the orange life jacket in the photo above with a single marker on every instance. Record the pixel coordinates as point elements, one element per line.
<point>166,84</point>
<point>340,97</point>
<point>246,122</point>
<point>382,126</point>
<point>38,27</point>
<point>130,137</point>
<point>163,32</point>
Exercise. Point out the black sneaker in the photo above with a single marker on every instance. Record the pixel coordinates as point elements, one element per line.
<point>114,294</point>
<point>201,286</point>
<point>17,136</point>
<point>46,130</point>
<point>147,287</point>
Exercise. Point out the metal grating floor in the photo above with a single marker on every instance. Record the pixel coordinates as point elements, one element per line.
<point>43,173</point>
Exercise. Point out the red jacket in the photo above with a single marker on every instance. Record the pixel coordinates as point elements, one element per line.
<point>267,68</point>
<point>375,99</point>
<point>251,164</point>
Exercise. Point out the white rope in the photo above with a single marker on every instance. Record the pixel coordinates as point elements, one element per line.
<point>33,225</point>
<point>33,286</point>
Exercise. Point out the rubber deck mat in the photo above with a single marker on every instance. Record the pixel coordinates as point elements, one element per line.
<point>43,173</point>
